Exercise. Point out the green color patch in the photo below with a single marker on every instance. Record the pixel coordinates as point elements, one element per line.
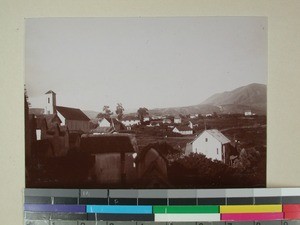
<point>186,209</point>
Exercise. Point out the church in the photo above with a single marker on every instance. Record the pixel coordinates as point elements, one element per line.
<point>73,118</point>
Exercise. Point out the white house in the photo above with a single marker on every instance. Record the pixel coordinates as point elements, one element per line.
<point>154,124</point>
<point>249,113</point>
<point>211,143</point>
<point>131,121</point>
<point>184,130</point>
<point>177,119</point>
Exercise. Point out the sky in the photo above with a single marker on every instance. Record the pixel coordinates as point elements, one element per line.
<point>142,62</point>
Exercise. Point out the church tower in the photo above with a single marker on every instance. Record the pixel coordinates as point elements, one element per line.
<point>50,107</point>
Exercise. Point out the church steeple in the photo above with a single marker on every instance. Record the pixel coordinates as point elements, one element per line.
<point>50,106</point>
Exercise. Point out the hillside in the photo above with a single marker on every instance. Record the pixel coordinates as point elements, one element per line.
<point>252,94</point>
<point>251,97</point>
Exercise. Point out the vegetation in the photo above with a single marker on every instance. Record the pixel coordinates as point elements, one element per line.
<point>142,112</point>
<point>119,111</point>
<point>106,112</point>
<point>196,170</point>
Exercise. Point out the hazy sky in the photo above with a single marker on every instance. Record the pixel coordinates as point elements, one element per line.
<point>149,62</point>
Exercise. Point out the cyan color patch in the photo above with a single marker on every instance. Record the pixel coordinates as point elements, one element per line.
<point>121,209</point>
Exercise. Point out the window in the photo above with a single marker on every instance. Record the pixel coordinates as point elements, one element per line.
<point>48,100</point>
<point>38,133</point>
<point>206,139</point>
<point>217,151</point>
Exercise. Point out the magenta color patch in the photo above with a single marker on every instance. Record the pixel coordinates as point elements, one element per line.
<point>251,216</point>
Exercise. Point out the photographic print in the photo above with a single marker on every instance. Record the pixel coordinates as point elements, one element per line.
<point>175,102</point>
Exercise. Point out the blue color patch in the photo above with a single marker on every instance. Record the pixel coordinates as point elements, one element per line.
<point>120,209</point>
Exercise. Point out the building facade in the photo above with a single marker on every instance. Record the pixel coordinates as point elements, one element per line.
<point>73,118</point>
<point>211,143</point>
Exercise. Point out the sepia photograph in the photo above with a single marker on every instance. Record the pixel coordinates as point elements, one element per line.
<point>146,102</point>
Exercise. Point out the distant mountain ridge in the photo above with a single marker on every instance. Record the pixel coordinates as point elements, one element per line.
<point>246,95</point>
<point>250,97</point>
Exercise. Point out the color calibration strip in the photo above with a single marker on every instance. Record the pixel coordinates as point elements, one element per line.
<point>99,206</point>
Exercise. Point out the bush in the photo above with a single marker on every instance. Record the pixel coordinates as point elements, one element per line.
<point>196,171</point>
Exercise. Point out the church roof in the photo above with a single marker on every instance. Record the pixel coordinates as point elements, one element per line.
<point>72,113</point>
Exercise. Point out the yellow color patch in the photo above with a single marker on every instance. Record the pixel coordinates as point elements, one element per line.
<point>250,208</point>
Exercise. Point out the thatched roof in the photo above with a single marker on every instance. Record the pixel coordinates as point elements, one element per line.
<point>108,143</point>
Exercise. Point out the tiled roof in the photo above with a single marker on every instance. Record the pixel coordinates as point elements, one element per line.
<point>72,113</point>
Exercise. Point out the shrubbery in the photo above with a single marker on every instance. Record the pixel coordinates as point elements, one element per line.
<point>195,170</point>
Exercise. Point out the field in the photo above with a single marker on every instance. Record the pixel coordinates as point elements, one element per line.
<point>248,131</point>
<point>247,135</point>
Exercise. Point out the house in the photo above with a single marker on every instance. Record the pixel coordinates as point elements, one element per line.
<point>74,118</point>
<point>184,130</point>
<point>208,115</point>
<point>41,127</point>
<point>211,143</point>
<point>44,123</point>
<point>48,127</point>
<point>108,125</point>
<point>130,121</point>
<point>177,119</point>
<point>55,136</point>
<point>114,157</point>
<point>167,120</point>
<point>193,116</point>
<point>154,123</point>
<point>104,122</point>
<point>249,113</point>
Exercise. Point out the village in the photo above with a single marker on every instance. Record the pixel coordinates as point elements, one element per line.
<point>66,148</point>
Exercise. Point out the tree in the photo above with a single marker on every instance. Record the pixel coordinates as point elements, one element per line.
<point>106,112</point>
<point>119,111</point>
<point>142,112</point>
<point>100,115</point>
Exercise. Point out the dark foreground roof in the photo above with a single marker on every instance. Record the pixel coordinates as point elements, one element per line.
<point>72,113</point>
<point>108,143</point>
<point>50,118</point>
